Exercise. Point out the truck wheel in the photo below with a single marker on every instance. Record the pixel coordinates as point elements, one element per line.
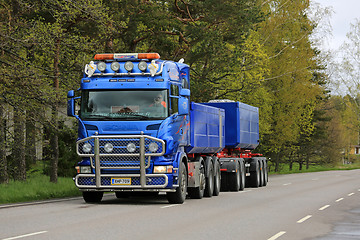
<point>209,182</point>
<point>92,197</point>
<point>217,179</point>
<point>255,176</point>
<point>234,179</point>
<point>261,183</point>
<point>198,192</point>
<point>266,176</point>
<point>122,194</point>
<point>179,195</point>
<point>242,176</point>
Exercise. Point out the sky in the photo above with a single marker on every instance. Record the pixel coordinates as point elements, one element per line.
<point>344,13</point>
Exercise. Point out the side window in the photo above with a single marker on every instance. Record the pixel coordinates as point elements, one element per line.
<point>184,83</point>
<point>174,98</point>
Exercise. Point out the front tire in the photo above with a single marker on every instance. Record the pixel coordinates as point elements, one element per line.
<point>92,197</point>
<point>179,196</point>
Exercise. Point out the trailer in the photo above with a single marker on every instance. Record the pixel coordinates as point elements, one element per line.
<point>139,133</point>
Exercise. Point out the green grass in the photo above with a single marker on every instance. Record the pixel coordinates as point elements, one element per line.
<point>314,168</point>
<point>37,187</point>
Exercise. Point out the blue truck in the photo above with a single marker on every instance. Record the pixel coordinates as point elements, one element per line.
<point>138,132</point>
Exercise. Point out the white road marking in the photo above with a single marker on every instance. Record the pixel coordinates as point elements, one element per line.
<point>324,207</point>
<point>304,219</point>
<point>26,235</point>
<point>276,236</point>
<point>169,206</point>
<point>350,194</point>
<point>286,184</point>
<point>340,199</point>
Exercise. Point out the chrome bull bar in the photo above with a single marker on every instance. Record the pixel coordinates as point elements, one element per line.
<point>117,148</point>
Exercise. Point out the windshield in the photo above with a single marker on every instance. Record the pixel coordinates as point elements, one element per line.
<point>124,105</point>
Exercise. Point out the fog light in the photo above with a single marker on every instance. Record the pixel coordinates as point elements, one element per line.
<point>153,147</point>
<point>115,66</point>
<point>86,147</point>
<point>131,147</point>
<point>129,66</point>
<point>101,66</point>
<point>142,66</point>
<point>108,147</point>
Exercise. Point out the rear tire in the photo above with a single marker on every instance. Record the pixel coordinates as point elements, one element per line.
<point>255,176</point>
<point>179,196</point>
<point>209,182</point>
<point>217,179</point>
<point>242,176</point>
<point>266,175</point>
<point>92,197</point>
<point>234,179</point>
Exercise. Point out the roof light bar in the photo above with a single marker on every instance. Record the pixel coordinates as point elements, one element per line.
<point>126,56</point>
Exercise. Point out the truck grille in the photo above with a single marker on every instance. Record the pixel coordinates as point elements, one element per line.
<point>120,157</point>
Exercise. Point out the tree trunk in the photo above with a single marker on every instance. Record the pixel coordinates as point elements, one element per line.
<point>30,138</point>
<point>4,176</point>
<point>54,141</point>
<point>19,144</point>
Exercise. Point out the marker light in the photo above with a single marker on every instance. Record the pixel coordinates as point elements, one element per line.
<point>153,147</point>
<point>142,66</point>
<point>148,56</point>
<point>115,66</point>
<point>131,147</point>
<point>126,56</point>
<point>101,66</point>
<point>104,56</point>
<point>108,147</point>
<point>129,66</point>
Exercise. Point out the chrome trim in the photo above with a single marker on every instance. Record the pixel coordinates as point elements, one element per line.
<point>120,186</point>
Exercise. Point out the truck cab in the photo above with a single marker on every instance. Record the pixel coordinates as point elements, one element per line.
<point>133,126</point>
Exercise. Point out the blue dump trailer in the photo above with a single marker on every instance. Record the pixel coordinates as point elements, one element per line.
<point>139,133</point>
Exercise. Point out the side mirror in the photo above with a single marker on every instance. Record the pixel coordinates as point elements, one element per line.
<point>71,104</point>
<point>71,94</point>
<point>183,106</point>
<point>185,92</point>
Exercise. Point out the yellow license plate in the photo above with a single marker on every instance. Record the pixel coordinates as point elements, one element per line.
<point>120,181</point>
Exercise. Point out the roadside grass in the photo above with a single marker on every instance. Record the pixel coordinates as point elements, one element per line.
<point>35,188</point>
<point>284,169</point>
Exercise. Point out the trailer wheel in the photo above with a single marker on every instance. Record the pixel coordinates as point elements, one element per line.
<point>209,182</point>
<point>262,175</point>
<point>234,179</point>
<point>198,192</point>
<point>266,176</point>
<point>255,176</point>
<point>242,176</point>
<point>217,179</point>
<point>179,195</point>
<point>92,197</point>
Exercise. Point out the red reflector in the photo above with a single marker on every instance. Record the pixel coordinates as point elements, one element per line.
<point>104,56</point>
<point>223,169</point>
<point>148,56</point>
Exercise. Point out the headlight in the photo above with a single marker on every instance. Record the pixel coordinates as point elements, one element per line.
<point>108,147</point>
<point>101,66</point>
<point>131,147</point>
<point>115,66</point>
<point>129,66</point>
<point>153,147</point>
<point>142,66</point>
<point>163,169</point>
<point>86,147</point>
<point>85,169</point>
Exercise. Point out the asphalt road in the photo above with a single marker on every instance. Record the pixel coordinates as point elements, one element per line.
<point>323,205</point>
